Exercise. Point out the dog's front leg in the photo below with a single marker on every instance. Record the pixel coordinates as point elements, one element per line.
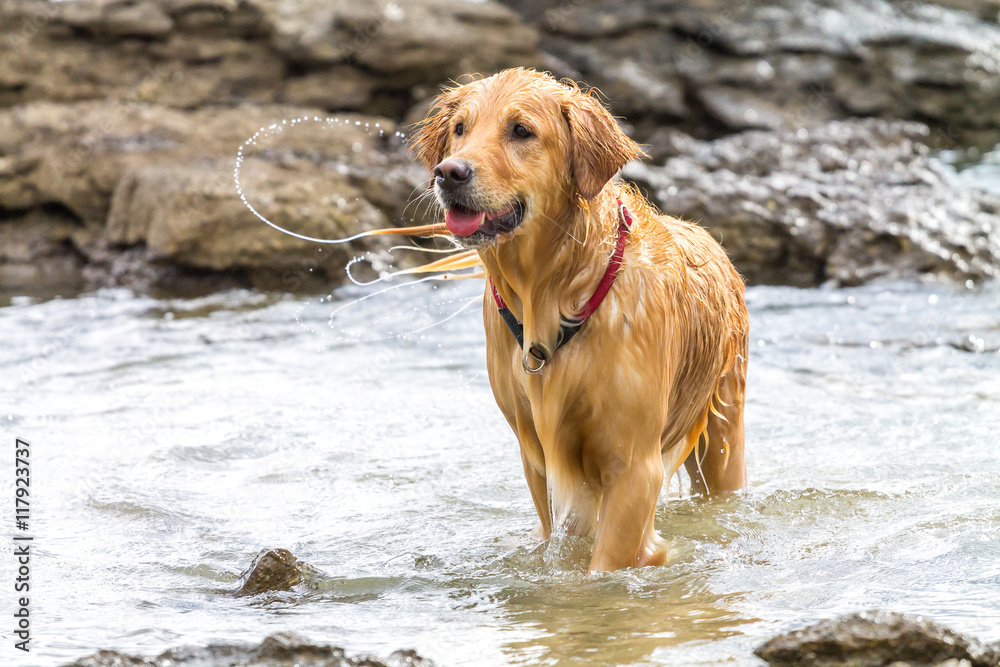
<point>625,534</point>
<point>533,459</point>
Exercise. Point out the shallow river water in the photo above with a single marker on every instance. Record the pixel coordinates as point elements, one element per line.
<point>172,439</point>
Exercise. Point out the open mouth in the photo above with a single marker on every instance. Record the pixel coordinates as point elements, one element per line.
<point>465,222</point>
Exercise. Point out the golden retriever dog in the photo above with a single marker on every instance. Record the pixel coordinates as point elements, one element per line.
<point>616,336</point>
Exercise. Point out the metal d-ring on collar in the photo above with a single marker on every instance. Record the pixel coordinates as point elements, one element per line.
<point>534,360</point>
<point>534,355</point>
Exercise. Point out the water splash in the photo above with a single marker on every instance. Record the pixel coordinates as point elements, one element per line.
<point>277,128</point>
<point>447,269</point>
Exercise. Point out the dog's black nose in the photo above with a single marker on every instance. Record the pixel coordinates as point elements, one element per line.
<point>450,174</point>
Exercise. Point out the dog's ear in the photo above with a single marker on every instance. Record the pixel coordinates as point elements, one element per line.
<point>599,147</point>
<point>430,136</point>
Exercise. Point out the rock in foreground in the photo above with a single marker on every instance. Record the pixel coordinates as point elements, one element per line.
<point>279,650</point>
<point>873,639</point>
<point>845,202</point>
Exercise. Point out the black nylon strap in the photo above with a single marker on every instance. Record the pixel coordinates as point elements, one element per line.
<point>566,331</point>
<point>512,323</point>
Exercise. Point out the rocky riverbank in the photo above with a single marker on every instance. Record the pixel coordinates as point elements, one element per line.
<point>120,120</point>
<point>723,66</point>
<point>845,202</point>
<point>143,195</point>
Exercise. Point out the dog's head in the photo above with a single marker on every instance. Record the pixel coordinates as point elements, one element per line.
<point>517,147</point>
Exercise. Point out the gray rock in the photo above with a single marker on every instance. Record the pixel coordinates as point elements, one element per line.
<point>283,649</point>
<point>37,249</point>
<point>988,10</point>
<point>731,65</point>
<point>874,639</point>
<point>845,202</point>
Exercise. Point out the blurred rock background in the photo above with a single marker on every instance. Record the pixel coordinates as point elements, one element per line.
<point>803,133</point>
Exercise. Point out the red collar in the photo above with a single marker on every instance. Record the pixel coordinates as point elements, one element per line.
<point>568,329</point>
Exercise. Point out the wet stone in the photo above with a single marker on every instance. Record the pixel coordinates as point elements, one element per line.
<point>874,639</point>
<point>279,650</point>
<point>276,570</point>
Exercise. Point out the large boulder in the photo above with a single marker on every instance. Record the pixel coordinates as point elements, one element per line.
<point>83,179</point>
<point>844,202</point>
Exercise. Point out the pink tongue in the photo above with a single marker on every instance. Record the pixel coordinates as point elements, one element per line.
<point>463,224</point>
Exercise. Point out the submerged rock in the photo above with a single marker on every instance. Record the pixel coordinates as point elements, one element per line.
<point>276,570</point>
<point>874,639</point>
<point>844,202</point>
<point>279,650</point>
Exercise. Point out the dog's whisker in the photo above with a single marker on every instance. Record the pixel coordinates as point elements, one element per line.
<point>415,202</point>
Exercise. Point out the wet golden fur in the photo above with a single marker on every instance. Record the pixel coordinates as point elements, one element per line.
<point>658,369</point>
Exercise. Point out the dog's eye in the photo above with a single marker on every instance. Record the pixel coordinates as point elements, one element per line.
<point>460,129</point>
<point>521,132</point>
